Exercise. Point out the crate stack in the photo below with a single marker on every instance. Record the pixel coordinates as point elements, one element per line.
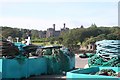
<point>107,54</point>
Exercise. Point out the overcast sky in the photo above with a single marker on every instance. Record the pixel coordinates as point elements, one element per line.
<point>36,14</point>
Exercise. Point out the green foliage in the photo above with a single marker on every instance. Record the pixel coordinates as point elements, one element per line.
<point>60,39</point>
<point>15,32</point>
<point>112,36</point>
<point>35,34</point>
<point>70,38</point>
<point>7,31</point>
<point>89,35</point>
<point>93,26</point>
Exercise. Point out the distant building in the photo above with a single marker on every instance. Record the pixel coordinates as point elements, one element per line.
<point>64,29</point>
<point>57,33</point>
<point>42,34</point>
<point>51,32</point>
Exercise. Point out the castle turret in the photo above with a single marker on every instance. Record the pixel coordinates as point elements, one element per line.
<point>54,27</point>
<point>64,25</point>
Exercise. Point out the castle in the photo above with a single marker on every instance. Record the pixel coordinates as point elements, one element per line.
<point>51,32</point>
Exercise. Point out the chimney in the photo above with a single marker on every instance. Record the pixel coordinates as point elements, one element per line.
<point>54,26</point>
<point>64,25</point>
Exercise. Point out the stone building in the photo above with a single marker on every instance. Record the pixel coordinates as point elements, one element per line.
<point>64,29</point>
<point>42,34</point>
<point>51,32</point>
<point>57,33</point>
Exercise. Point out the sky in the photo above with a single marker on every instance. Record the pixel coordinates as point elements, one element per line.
<point>40,15</point>
<point>119,13</point>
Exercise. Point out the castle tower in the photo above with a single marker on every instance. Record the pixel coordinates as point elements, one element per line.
<point>54,27</point>
<point>64,25</point>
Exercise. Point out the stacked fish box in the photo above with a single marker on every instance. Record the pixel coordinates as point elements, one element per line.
<point>107,54</point>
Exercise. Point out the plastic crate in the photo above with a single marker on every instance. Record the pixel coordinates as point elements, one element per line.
<point>84,74</point>
<point>12,68</point>
<point>0,69</point>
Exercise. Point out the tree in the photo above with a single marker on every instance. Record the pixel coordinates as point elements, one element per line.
<point>51,40</point>
<point>81,26</point>
<point>35,34</point>
<point>60,40</point>
<point>112,36</point>
<point>93,26</point>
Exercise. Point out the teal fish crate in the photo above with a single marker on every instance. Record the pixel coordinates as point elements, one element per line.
<point>14,68</point>
<point>23,67</point>
<point>85,74</point>
<point>0,69</point>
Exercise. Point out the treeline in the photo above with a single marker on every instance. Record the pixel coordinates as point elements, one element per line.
<point>82,36</point>
<point>85,36</point>
<point>16,32</point>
